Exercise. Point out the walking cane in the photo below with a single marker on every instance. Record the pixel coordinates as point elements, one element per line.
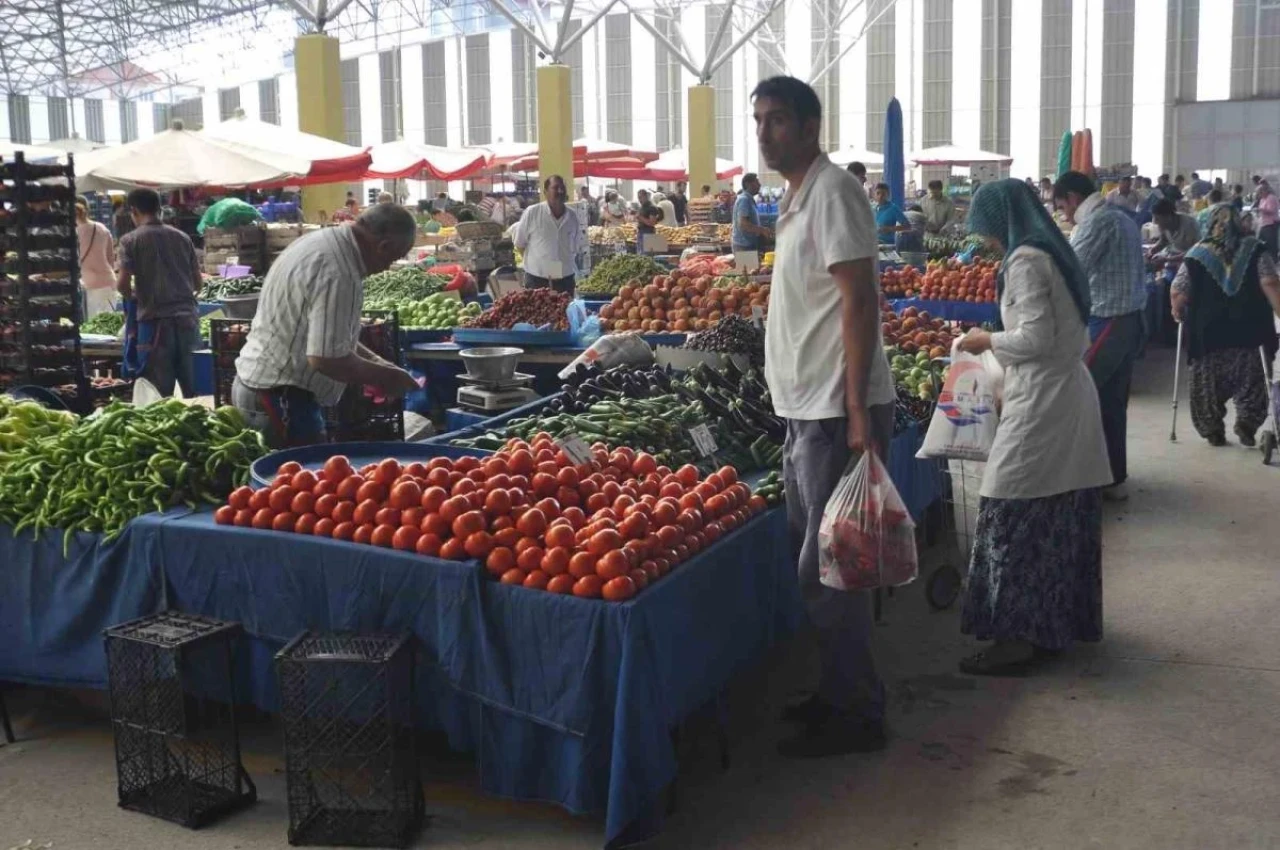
<point>1177,363</point>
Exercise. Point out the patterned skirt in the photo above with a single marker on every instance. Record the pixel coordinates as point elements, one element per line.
<point>1036,572</point>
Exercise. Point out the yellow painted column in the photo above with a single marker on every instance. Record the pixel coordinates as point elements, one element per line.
<point>319,75</point>
<point>555,125</point>
<point>702,138</point>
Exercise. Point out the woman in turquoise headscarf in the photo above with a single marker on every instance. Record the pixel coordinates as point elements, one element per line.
<point>1221,292</point>
<point>1035,577</point>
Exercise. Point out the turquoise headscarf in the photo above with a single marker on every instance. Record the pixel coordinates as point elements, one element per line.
<point>1009,211</point>
<point>1226,251</point>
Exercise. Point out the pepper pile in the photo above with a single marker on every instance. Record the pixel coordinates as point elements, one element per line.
<point>107,324</point>
<point>218,288</point>
<point>124,462</point>
<point>604,529</point>
<point>536,307</point>
<point>613,273</point>
<point>22,422</point>
<point>389,289</point>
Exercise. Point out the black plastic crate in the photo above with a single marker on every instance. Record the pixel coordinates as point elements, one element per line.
<point>380,333</point>
<point>350,761</point>
<point>171,682</point>
<point>226,338</point>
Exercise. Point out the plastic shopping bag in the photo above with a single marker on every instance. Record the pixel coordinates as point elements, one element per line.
<point>965,419</point>
<point>867,538</point>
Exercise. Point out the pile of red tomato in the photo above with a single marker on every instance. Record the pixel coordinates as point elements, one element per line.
<point>607,529</point>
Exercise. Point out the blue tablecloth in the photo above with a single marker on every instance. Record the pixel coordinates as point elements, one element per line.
<point>561,699</point>
<point>455,418</point>
<point>919,482</point>
<point>955,311</point>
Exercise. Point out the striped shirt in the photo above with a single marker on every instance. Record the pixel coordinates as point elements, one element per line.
<point>1109,246</point>
<point>165,269</point>
<point>309,307</point>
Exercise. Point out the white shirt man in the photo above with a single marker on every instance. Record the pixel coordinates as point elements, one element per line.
<point>550,236</point>
<point>1124,196</point>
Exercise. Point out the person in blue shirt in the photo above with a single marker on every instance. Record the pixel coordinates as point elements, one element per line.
<point>747,231</point>
<point>889,219</point>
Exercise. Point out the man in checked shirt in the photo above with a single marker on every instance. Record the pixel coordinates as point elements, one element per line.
<point>1109,246</point>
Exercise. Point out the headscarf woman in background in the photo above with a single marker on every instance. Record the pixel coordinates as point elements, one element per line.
<point>1035,579</point>
<point>1222,291</point>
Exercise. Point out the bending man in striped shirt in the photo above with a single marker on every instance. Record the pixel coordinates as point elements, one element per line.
<point>1109,246</point>
<point>304,346</point>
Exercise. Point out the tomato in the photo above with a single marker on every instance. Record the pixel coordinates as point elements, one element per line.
<point>387,516</point>
<point>688,475</point>
<point>499,561</point>
<point>532,522</point>
<point>262,518</point>
<point>497,503</point>
<point>433,498</point>
<point>613,563</point>
<point>717,505</point>
<point>619,589</point>
<point>324,488</point>
<point>284,521</point>
<point>478,544</point>
<point>406,494</point>
<point>635,527</point>
<point>517,496</point>
<point>405,538</point>
<point>239,498</point>
<point>372,491</point>
<point>467,524</point>
<point>463,486</point>
<point>513,576</point>
<point>366,512</point>
<point>561,584</point>
<point>611,491</point>
<point>343,512</point>
<point>453,550</point>
<point>712,532</point>
<point>691,501</point>
<point>544,484</point>
<point>508,536</point>
<point>663,566</point>
<point>567,477</point>
<point>344,530</point>
<point>291,468</point>
<point>387,472</point>
<point>466,464</point>
<point>495,465</point>
<point>526,543</point>
<point>670,535</point>
<point>643,464</point>
<point>537,580</point>
<point>244,518</point>
<point>682,555</point>
<point>324,505</point>
<point>530,558</point>
<point>478,476</point>
<point>575,516</point>
<point>497,482</point>
<point>665,513</point>
<point>582,564</point>
<point>453,508</point>
<point>280,498</point>
<point>588,587</point>
<point>427,544</point>
<point>415,470</point>
<point>303,503</point>
<point>521,462</point>
<point>438,478</point>
<point>225,515</point>
<point>444,463</point>
<point>568,496</point>
<point>605,540</point>
<point>715,481</point>
<point>621,504</point>
<point>549,467</point>
<point>705,491</point>
<point>435,524</point>
<point>337,469</point>
<point>555,561</point>
<point>561,536</point>
<point>597,501</point>
<point>304,480</point>
<point>412,517</point>
<point>349,487</point>
<point>641,579</point>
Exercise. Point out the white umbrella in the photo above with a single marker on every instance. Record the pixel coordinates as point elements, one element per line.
<point>31,153</point>
<point>847,156</point>
<point>179,158</point>
<point>598,149</point>
<point>330,161</point>
<point>425,162</point>
<point>956,155</point>
<point>74,145</point>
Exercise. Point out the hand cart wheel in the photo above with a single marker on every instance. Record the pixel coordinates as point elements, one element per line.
<point>943,587</point>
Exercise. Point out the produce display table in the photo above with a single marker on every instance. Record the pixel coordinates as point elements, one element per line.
<point>560,698</point>
<point>954,311</point>
<point>919,482</point>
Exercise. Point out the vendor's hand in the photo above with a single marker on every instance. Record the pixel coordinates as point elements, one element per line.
<point>975,341</point>
<point>859,435</point>
<point>399,383</point>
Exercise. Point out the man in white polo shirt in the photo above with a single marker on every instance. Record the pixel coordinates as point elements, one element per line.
<point>827,374</point>
<point>304,345</point>
<point>550,236</point>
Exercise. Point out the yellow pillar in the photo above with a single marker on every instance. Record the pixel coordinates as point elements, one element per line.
<point>319,74</point>
<point>555,125</point>
<point>702,138</point>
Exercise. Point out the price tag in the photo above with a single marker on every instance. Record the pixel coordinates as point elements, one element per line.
<point>702,440</point>
<point>757,315</point>
<point>747,261</point>
<point>576,449</point>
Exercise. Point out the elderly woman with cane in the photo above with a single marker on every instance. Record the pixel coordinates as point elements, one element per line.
<point>1222,293</point>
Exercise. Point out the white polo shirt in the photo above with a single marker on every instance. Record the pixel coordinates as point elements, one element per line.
<point>827,221</point>
<point>549,244</point>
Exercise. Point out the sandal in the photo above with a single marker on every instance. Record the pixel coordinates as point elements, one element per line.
<point>980,664</point>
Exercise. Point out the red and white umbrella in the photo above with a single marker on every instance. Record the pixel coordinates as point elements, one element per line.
<point>670,166</point>
<point>329,161</point>
<point>425,162</point>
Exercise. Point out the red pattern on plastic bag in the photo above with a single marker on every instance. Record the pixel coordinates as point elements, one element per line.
<point>867,539</point>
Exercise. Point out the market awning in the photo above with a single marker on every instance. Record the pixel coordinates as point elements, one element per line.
<point>670,166</point>
<point>329,161</point>
<point>847,156</point>
<point>180,158</point>
<point>425,162</point>
<point>74,145</point>
<point>956,155</point>
<point>31,153</point>
<point>599,150</point>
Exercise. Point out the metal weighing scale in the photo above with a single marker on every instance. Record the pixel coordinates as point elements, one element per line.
<point>493,396</point>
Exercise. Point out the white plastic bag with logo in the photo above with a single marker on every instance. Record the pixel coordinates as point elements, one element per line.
<point>965,419</point>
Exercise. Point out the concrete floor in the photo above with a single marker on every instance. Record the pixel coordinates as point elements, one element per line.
<point>1166,735</point>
